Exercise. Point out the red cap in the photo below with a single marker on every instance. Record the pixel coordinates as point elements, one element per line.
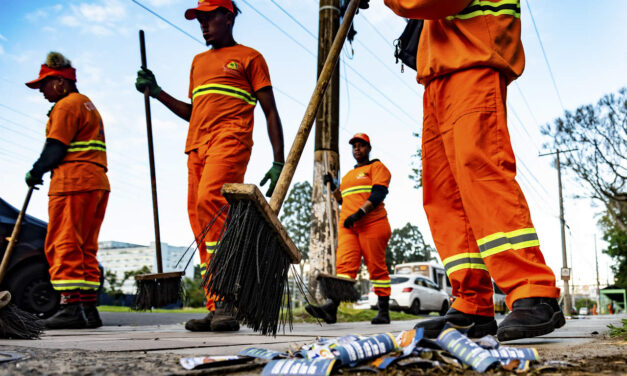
<point>46,71</point>
<point>360,136</point>
<point>208,6</point>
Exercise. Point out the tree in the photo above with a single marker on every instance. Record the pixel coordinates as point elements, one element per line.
<point>113,286</point>
<point>599,135</point>
<point>407,245</point>
<point>193,291</point>
<point>296,216</point>
<point>416,166</point>
<point>616,248</point>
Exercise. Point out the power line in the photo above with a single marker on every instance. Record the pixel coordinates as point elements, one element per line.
<point>377,30</point>
<point>522,126</point>
<point>22,113</point>
<point>535,121</point>
<point>166,21</point>
<point>546,59</point>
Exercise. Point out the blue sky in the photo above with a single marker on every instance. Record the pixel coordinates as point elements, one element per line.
<point>585,47</point>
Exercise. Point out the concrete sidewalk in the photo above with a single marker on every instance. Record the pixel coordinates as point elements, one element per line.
<point>174,339</point>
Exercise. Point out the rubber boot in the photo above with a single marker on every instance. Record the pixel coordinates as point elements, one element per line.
<point>531,317</point>
<point>326,312</point>
<point>92,315</point>
<point>224,321</point>
<point>383,316</point>
<point>200,325</point>
<point>478,326</point>
<point>69,316</point>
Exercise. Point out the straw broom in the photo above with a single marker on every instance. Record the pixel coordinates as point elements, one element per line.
<point>15,323</point>
<point>248,272</point>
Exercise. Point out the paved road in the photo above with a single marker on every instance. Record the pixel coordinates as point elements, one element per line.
<point>146,318</point>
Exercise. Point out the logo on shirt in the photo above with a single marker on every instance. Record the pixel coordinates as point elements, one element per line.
<point>362,175</point>
<point>233,67</point>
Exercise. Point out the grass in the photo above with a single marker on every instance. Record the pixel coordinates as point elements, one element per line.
<point>617,331</point>
<point>345,313</point>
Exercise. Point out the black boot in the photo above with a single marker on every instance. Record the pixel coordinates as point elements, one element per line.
<point>479,325</point>
<point>326,312</point>
<point>92,315</point>
<point>69,316</point>
<point>224,321</point>
<point>200,325</point>
<point>383,316</point>
<point>531,317</point>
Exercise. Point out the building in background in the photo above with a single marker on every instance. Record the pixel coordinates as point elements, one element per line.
<point>120,257</point>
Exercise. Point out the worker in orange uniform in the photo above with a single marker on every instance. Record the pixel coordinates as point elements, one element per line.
<point>75,152</point>
<point>225,84</point>
<point>365,229</point>
<point>469,51</point>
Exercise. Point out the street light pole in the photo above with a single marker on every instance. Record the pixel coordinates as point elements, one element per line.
<point>596,261</point>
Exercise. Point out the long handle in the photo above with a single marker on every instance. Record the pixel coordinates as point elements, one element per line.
<point>332,235</point>
<point>310,114</point>
<point>151,157</point>
<point>16,232</point>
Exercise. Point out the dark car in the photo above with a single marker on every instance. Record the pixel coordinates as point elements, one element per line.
<point>27,275</point>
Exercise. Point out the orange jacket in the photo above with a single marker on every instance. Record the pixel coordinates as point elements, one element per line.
<point>462,34</point>
<point>356,187</point>
<point>76,122</point>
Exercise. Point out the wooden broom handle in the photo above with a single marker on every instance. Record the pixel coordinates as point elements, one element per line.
<point>151,157</point>
<point>310,114</point>
<point>14,235</point>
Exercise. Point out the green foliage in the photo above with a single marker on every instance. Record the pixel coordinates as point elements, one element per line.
<point>113,286</point>
<point>296,216</point>
<point>407,245</point>
<point>416,166</point>
<point>617,331</point>
<point>584,302</point>
<point>194,292</point>
<point>616,240</point>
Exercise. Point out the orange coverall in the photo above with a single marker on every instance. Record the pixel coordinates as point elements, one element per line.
<point>79,190</point>
<point>469,52</point>
<point>369,236</point>
<point>219,142</point>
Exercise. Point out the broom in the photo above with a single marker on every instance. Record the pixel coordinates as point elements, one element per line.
<point>338,289</point>
<point>249,269</point>
<point>160,289</point>
<point>15,323</point>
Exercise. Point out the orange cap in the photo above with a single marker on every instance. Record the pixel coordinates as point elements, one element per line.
<point>208,6</point>
<point>46,71</point>
<point>360,136</point>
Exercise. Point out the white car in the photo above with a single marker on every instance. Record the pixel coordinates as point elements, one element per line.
<point>414,294</point>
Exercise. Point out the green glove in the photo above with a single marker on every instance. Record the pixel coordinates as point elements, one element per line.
<point>32,180</point>
<point>145,78</point>
<point>272,174</point>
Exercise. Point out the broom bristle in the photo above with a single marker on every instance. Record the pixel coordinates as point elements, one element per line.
<point>338,290</point>
<point>249,269</point>
<point>157,292</point>
<point>18,324</point>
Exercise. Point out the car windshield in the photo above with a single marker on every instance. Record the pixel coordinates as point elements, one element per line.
<point>397,280</point>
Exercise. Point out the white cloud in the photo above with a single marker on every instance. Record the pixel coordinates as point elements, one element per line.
<point>159,3</point>
<point>1,50</point>
<point>99,18</point>
<point>43,12</point>
<point>2,37</point>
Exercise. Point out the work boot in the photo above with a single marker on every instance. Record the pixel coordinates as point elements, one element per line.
<point>531,317</point>
<point>200,325</point>
<point>69,316</point>
<point>326,312</point>
<point>479,326</point>
<point>383,316</point>
<point>224,321</point>
<point>92,315</point>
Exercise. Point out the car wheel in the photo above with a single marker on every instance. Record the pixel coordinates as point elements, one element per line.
<point>414,309</point>
<point>31,289</point>
<point>444,308</point>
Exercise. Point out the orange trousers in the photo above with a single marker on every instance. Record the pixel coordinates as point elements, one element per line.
<point>477,213</point>
<point>222,160</point>
<point>72,239</point>
<point>370,241</point>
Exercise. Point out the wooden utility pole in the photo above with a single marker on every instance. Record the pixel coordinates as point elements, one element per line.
<point>321,249</point>
<point>565,269</point>
<point>596,262</point>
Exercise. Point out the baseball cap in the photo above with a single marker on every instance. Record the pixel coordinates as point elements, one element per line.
<point>46,71</point>
<point>360,136</point>
<point>208,6</point>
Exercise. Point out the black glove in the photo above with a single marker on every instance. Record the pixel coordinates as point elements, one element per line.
<point>350,221</point>
<point>33,179</point>
<point>364,4</point>
<point>327,178</point>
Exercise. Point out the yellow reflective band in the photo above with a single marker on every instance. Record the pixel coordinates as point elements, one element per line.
<point>73,284</point>
<point>357,189</point>
<point>483,8</point>
<point>381,282</point>
<point>344,275</point>
<point>501,242</point>
<point>211,247</point>
<point>511,234</point>
<point>87,145</point>
<point>465,266</point>
<point>460,256</point>
<point>224,90</point>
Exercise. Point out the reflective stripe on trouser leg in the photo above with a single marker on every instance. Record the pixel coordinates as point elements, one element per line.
<point>71,240</point>
<point>478,142</point>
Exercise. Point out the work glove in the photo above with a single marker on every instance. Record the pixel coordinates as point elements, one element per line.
<point>350,221</point>
<point>33,179</point>
<point>145,78</point>
<point>273,175</point>
<point>327,178</point>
